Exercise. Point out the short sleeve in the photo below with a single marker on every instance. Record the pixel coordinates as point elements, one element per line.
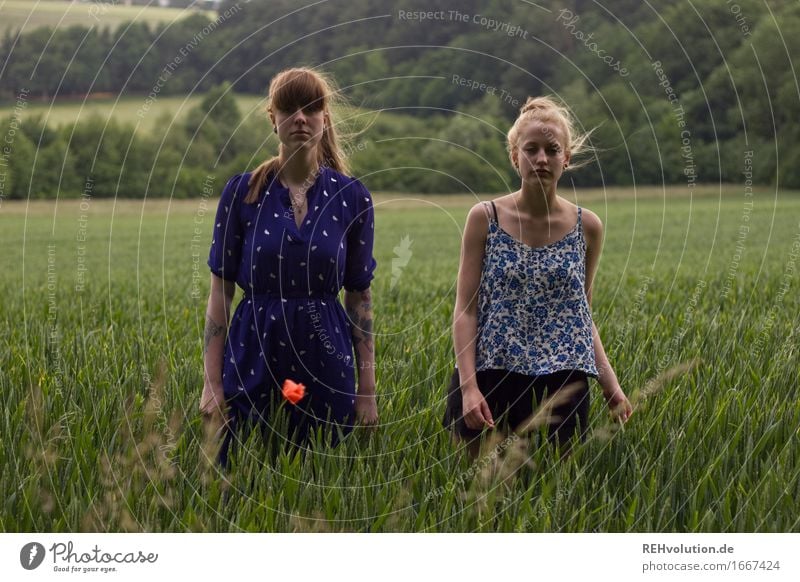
<point>360,264</point>
<point>226,240</point>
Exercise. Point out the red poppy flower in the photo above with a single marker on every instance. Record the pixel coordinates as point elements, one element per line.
<point>293,391</point>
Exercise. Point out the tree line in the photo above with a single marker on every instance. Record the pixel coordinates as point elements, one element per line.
<point>697,92</point>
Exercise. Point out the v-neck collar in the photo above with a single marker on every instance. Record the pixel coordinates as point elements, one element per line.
<point>311,197</point>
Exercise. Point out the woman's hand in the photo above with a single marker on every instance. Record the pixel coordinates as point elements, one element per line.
<point>366,409</point>
<point>619,406</point>
<point>212,401</point>
<point>477,414</point>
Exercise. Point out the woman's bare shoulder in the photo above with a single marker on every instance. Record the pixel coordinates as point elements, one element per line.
<point>591,222</point>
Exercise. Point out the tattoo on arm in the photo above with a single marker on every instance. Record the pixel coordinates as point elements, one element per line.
<point>366,300</point>
<point>212,330</point>
<point>352,315</point>
<point>366,329</point>
<point>361,318</point>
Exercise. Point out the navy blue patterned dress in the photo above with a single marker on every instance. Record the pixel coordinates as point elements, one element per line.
<point>290,323</point>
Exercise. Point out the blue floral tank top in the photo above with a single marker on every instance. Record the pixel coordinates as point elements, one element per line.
<point>533,315</point>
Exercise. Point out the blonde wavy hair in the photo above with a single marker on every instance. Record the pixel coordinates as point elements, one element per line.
<point>547,109</point>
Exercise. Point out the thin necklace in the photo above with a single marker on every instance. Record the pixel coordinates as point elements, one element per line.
<point>293,202</point>
<point>294,205</point>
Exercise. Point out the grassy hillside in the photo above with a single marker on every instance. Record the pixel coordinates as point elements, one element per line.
<point>28,15</point>
<point>125,109</point>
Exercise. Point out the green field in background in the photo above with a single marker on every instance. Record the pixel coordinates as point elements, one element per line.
<point>126,109</point>
<point>28,15</point>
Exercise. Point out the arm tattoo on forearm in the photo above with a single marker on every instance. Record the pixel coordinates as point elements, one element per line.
<point>361,318</point>
<point>366,300</point>
<point>212,330</point>
<point>352,315</point>
<point>366,329</point>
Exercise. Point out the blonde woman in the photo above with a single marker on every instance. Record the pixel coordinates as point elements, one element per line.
<point>522,325</point>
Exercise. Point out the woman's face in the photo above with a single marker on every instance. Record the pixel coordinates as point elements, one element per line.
<point>301,128</point>
<point>540,153</point>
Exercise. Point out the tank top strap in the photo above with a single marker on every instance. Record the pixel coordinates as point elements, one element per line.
<point>579,226</point>
<point>493,214</point>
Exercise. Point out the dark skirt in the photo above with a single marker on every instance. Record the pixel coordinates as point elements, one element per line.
<point>513,398</point>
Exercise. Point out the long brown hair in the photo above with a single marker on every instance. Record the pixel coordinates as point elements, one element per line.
<point>290,90</point>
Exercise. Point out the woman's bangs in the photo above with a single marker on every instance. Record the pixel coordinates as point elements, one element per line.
<point>301,91</point>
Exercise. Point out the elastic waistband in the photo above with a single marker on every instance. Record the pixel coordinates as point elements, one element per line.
<point>286,294</point>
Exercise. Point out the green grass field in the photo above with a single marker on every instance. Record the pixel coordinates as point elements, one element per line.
<point>699,320</point>
<point>27,15</point>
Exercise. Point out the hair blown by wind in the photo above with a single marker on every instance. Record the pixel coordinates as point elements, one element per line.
<point>304,88</point>
<point>547,109</point>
